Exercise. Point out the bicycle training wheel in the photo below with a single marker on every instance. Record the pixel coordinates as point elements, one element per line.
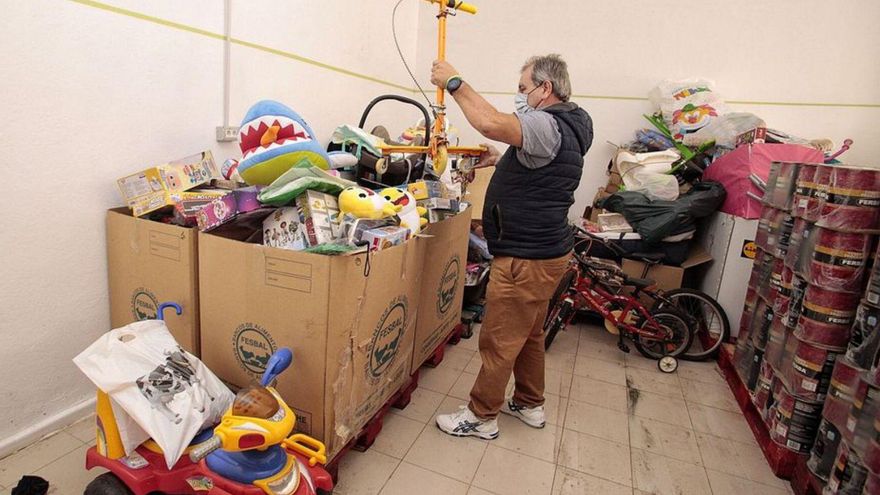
<point>678,335</point>
<point>709,322</point>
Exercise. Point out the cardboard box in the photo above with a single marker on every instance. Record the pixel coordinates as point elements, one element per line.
<point>729,240</point>
<point>161,185</point>
<point>319,213</point>
<point>445,246</point>
<point>385,237</point>
<point>440,204</point>
<point>149,263</point>
<point>352,228</point>
<point>282,230</point>
<point>351,333</point>
<point>667,277</point>
<point>425,189</point>
<point>190,203</point>
<point>217,212</point>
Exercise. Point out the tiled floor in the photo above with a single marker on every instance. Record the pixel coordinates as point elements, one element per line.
<point>616,425</point>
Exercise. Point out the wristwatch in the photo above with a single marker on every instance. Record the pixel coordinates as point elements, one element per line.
<point>453,83</point>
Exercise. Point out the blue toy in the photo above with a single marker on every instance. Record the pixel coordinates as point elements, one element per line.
<point>273,139</point>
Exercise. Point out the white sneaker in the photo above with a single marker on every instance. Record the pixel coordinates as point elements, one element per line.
<point>465,424</point>
<point>532,416</point>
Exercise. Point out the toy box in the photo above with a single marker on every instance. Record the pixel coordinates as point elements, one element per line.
<point>385,237</point>
<point>155,187</point>
<point>282,229</point>
<point>319,213</point>
<point>246,198</point>
<point>186,209</point>
<point>437,216</point>
<point>425,189</point>
<point>217,212</point>
<point>440,204</point>
<point>352,229</point>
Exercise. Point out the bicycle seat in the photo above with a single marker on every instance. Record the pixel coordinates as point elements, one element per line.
<point>640,283</point>
<point>647,257</point>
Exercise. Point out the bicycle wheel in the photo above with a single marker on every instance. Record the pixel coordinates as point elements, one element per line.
<point>678,335</point>
<point>556,321</point>
<point>564,284</point>
<point>708,321</point>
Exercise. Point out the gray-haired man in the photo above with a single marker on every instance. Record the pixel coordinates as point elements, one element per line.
<point>525,220</point>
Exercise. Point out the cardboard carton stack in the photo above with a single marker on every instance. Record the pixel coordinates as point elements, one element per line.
<point>250,280</point>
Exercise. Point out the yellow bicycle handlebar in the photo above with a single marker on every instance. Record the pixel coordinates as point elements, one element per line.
<point>457,5</point>
<point>466,7</point>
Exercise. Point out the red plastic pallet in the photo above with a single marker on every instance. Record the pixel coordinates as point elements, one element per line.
<point>453,338</point>
<point>782,461</point>
<point>364,440</point>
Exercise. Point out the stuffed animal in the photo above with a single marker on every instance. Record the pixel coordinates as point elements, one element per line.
<point>410,213</point>
<point>273,139</point>
<point>364,203</point>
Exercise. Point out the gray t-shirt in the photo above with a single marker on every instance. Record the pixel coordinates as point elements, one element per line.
<point>541,137</point>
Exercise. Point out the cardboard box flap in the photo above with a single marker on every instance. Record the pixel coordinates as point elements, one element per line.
<point>697,256</point>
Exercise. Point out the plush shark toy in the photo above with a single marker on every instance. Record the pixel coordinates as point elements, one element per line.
<point>410,214</point>
<point>273,139</point>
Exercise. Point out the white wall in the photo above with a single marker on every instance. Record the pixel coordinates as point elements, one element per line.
<point>811,51</point>
<point>89,95</point>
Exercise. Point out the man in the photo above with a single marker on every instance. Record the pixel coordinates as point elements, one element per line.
<point>525,220</point>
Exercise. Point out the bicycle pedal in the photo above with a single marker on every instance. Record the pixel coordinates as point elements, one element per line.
<point>623,347</point>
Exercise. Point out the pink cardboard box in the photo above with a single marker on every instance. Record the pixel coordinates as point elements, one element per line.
<point>733,169</point>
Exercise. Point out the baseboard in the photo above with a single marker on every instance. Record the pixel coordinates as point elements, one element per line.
<point>46,427</point>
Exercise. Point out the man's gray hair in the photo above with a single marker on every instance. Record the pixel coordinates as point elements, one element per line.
<point>550,68</point>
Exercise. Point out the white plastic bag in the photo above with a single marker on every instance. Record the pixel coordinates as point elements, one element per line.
<point>687,105</point>
<point>724,129</point>
<point>153,383</point>
<point>648,173</point>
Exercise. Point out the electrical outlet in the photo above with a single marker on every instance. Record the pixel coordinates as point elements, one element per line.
<point>227,134</point>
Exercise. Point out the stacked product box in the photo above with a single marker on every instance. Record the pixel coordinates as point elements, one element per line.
<point>808,344</point>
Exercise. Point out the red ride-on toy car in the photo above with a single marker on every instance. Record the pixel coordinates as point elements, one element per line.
<point>251,451</point>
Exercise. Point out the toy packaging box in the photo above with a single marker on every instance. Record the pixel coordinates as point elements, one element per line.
<point>385,237</point>
<point>149,263</point>
<point>319,213</point>
<point>352,229</point>
<point>282,229</point>
<point>161,185</point>
<point>225,207</point>
<point>351,358</point>
<point>217,212</point>
<point>426,189</point>
<point>186,210</point>
<point>440,204</point>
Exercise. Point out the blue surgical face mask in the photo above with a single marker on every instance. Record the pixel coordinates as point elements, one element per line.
<point>521,101</point>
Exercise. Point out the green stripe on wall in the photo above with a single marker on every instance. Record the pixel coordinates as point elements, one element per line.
<point>341,70</point>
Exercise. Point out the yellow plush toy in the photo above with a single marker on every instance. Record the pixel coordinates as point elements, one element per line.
<point>410,213</point>
<point>364,203</point>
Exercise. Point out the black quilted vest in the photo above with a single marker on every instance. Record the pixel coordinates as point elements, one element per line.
<point>526,210</point>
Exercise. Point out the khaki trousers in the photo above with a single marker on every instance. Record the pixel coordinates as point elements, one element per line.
<point>511,338</point>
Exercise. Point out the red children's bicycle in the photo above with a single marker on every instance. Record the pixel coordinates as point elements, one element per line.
<point>661,333</point>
